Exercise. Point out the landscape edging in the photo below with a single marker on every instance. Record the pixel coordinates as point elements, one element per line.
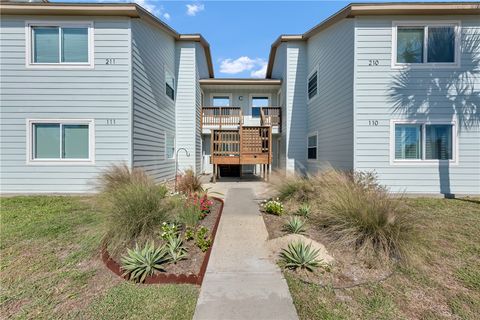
<point>113,265</point>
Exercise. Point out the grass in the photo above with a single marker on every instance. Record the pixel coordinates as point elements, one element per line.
<point>442,282</point>
<point>50,267</point>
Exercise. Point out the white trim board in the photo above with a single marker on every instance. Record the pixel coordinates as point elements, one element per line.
<point>91,143</point>
<point>229,95</point>
<point>423,162</point>
<point>59,65</point>
<point>426,23</point>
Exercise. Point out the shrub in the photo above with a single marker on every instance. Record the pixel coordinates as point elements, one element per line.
<point>169,231</point>
<point>295,225</point>
<point>189,234</point>
<point>120,175</point>
<point>358,212</point>
<point>293,187</point>
<point>202,239</point>
<point>273,207</point>
<point>304,210</point>
<point>298,255</point>
<point>176,250</point>
<point>140,263</point>
<point>136,207</point>
<point>204,204</point>
<point>189,183</point>
<point>189,215</point>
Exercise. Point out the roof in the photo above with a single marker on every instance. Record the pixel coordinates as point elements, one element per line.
<point>239,81</point>
<point>368,9</point>
<point>103,9</point>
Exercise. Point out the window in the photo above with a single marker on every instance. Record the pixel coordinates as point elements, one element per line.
<point>53,44</point>
<point>312,85</point>
<point>424,141</point>
<point>408,142</point>
<point>425,43</point>
<point>60,140</point>
<point>169,85</point>
<point>438,142</point>
<point>170,146</point>
<point>312,147</point>
<point>257,103</point>
<point>221,101</point>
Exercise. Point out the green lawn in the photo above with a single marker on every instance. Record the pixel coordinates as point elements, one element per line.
<point>50,267</point>
<point>442,283</point>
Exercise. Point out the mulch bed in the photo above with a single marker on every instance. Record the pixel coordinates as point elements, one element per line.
<point>348,270</point>
<point>190,270</point>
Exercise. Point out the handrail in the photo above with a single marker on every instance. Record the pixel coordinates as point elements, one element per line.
<point>221,116</point>
<point>271,116</point>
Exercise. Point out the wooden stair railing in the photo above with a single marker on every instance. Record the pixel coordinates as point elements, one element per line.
<point>271,116</point>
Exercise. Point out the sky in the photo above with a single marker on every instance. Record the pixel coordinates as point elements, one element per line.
<point>240,33</point>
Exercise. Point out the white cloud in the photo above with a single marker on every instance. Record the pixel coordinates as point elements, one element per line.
<point>257,66</point>
<point>260,73</point>
<point>194,8</point>
<point>154,8</point>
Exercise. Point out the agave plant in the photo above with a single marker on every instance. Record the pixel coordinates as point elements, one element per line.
<point>175,248</point>
<point>140,263</point>
<point>295,225</point>
<point>304,210</point>
<point>299,255</point>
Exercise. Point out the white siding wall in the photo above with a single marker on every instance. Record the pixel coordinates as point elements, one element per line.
<point>185,104</point>
<point>101,94</point>
<point>330,113</point>
<point>426,87</point>
<point>153,52</point>
<point>296,106</point>
<point>279,72</point>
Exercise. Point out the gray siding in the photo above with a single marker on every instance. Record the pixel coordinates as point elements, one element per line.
<point>330,112</point>
<point>153,52</point>
<point>377,94</point>
<point>101,93</point>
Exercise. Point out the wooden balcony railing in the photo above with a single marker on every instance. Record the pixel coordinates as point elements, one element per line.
<point>222,116</point>
<point>271,116</point>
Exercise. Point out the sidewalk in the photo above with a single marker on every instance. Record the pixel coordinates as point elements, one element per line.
<point>240,282</point>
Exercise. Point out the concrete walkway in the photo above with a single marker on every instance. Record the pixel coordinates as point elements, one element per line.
<point>241,283</point>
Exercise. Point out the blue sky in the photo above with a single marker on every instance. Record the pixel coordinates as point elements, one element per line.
<point>240,33</point>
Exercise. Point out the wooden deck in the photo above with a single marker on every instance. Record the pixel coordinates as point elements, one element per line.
<point>243,146</point>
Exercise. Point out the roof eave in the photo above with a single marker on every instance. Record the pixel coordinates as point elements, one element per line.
<point>240,81</point>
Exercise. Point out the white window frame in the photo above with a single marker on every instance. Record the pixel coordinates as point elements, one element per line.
<point>313,134</point>
<point>171,74</point>
<point>258,95</point>
<point>229,95</point>
<point>425,24</point>
<point>166,134</point>
<point>316,69</point>
<point>59,161</point>
<point>423,160</point>
<point>58,65</point>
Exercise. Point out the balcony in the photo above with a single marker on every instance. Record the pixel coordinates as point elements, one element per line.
<point>221,117</point>
<point>233,118</point>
